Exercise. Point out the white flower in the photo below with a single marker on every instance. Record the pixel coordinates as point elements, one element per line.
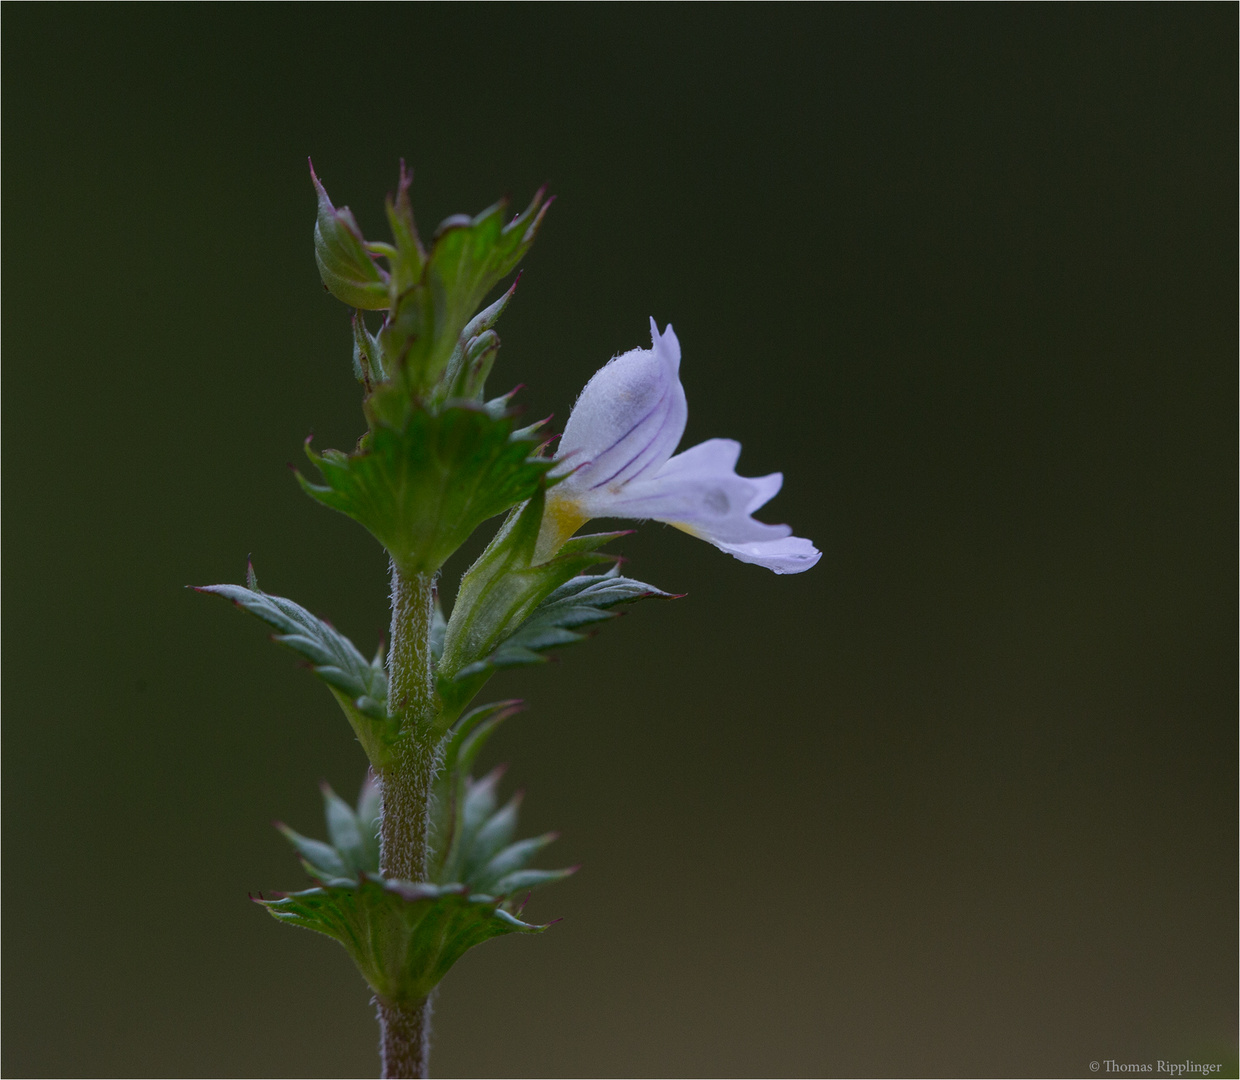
<point>617,454</point>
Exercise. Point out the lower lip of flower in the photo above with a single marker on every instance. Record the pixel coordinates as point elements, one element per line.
<point>686,528</point>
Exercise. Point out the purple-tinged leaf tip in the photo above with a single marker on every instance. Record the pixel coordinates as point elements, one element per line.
<point>495,775</point>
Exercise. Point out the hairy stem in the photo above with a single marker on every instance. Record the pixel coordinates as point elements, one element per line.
<point>407,789</point>
<point>406,1038</point>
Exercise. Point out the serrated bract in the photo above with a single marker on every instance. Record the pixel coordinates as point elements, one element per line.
<point>421,489</point>
<point>404,936</point>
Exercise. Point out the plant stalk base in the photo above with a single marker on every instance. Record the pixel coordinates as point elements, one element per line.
<point>405,1038</point>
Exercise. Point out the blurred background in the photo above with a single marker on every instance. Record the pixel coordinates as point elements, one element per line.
<point>959,801</point>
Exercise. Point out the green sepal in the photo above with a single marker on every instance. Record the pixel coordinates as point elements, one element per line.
<point>346,267</point>
<point>403,936</point>
<point>358,685</point>
<point>422,488</point>
<point>510,611</point>
<point>497,594</point>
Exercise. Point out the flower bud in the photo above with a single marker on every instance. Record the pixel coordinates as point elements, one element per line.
<point>348,270</point>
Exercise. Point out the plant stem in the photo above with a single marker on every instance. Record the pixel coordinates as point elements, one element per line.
<point>405,1038</point>
<point>407,790</point>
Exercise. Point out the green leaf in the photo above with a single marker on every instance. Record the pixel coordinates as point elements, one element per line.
<point>480,851</point>
<point>466,377</point>
<point>468,258</point>
<point>520,881</point>
<point>321,861</point>
<point>476,363</point>
<point>510,859</point>
<point>354,847</point>
<point>423,488</point>
<point>407,342</point>
<point>354,833</point>
<point>347,269</point>
<point>461,748</point>
<point>469,832</point>
<point>480,801</point>
<point>472,732</point>
<point>404,937</point>
<point>369,802</point>
<point>491,835</point>
<point>580,601</point>
<point>358,685</point>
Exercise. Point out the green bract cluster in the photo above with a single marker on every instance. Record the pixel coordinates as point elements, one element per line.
<point>437,459</point>
<point>422,487</point>
<point>404,936</point>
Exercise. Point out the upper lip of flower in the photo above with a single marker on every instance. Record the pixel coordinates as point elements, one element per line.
<point>617,461</point>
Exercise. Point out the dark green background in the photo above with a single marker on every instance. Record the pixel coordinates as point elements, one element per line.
<point>961,800</point>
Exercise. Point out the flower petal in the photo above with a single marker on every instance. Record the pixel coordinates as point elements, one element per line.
<point>615,460</point>
<point>698,491</point>
<point>792,555</point>
<point>767,488</point>
<point>628,419</point>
